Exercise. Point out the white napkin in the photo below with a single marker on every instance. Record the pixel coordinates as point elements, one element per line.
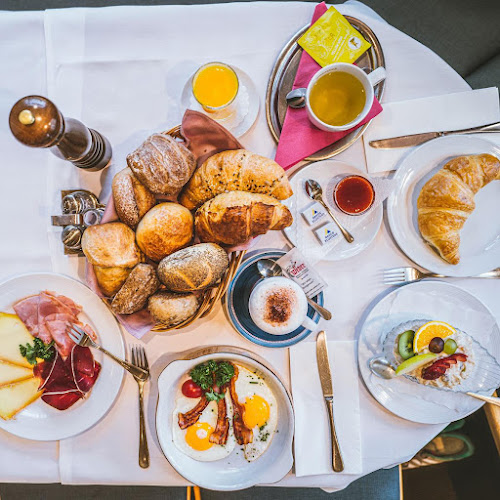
<point>455,111</point>
<point>312,430</point>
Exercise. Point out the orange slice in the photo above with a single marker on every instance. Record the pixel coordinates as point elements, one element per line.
<point>430,330</point>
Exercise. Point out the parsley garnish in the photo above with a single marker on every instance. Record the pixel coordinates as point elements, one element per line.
<point>212,374</point>
<point>37,350</point>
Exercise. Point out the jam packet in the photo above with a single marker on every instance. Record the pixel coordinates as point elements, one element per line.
<point>295,267</point>
<point>332,39</point>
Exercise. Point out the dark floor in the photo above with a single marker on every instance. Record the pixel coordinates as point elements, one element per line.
<point>464,33</point>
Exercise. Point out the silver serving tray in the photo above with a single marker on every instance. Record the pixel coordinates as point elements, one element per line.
<point>283,75</point>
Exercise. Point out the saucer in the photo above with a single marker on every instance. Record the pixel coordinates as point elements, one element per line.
<point>239,116</point>
<point>236,304</point>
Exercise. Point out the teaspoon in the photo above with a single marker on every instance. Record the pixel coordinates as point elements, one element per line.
<point>314,191</point>
<point>383,369</point>
<point>269,268</point>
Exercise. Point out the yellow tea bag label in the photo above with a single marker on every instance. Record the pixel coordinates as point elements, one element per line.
<point>332,39</point>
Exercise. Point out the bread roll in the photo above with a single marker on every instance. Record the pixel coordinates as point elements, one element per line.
<point>233,218</point>
<point>172,308</point>
<point>132,199</point>
<point>162,164</point>
<point>167,227</point>
<point>112,250</point>
<point>193,268</point>
<point>447,200</point>
<point>235,170</point>
<point>133,295</point>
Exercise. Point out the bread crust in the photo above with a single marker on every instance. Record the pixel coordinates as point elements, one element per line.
<point>235,170</point>
<point>133,296</point>
<point>172,308</point>
<point>447,200</point>
<point>132,199</point>
<point>193,268</point>
<point>235,217</point>
<point>167,227</point>
<point>162,164</point>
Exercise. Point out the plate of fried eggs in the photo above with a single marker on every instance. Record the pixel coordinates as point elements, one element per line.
<point>224,421</point>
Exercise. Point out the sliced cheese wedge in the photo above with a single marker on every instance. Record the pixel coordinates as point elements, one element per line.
<point>15,397</point>
<point>10,373</point>
<point>12,334</point>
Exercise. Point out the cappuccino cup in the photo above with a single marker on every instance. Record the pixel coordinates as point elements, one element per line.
<point>279,306</point>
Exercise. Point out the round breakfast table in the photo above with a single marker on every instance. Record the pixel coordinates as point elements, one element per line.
<point>121,70</point>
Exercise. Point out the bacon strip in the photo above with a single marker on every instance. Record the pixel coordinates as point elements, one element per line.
<point>219,436</point>
<point>242,433</point>
<point>191,417</point>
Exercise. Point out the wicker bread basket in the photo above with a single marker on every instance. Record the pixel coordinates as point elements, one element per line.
<point>212,295</point>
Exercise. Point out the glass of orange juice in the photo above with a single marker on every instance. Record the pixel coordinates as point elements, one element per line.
<point>215,86</point>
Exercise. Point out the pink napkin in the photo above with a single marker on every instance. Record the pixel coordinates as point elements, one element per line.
<point>299,137</point>
<point>204,137</point>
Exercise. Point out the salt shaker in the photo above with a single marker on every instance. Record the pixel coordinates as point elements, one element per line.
<point>36,122</point>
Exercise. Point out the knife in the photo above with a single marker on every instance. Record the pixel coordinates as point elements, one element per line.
<point>405,141</point>
<point>325,376</point>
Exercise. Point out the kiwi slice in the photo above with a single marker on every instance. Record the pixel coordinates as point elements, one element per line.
<point>405,344</point>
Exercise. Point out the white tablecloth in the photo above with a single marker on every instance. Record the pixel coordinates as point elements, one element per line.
<point>121,70</point>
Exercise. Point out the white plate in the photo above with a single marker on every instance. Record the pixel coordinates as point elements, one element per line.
<point>42,422</point>
<point>436,300</point>
<point>239,116</point>
<point>364,228</point>
<point>480,236</point>
<point>232,472</point>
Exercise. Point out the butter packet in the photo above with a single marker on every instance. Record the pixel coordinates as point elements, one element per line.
<point>332,39</point>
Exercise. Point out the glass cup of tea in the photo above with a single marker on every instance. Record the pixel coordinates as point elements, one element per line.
<point>215,86</point>
<point>339,96</point>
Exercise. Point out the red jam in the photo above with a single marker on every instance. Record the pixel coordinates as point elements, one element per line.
<point>354,195</point>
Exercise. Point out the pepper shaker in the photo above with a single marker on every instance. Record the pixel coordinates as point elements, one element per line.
<point>36,122</point>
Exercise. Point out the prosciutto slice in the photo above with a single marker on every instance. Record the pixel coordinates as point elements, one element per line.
<point>64,382</point>
<point>47,316</point>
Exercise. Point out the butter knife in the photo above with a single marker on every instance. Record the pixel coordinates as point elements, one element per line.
<point>406,141</point>
<point>325,376</point>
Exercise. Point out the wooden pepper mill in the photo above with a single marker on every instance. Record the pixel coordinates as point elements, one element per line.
<point>36,122</point>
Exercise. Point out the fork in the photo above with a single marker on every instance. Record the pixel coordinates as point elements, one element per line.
<point>139,358</point>
<point>402,275</point>
<point>81,338</point>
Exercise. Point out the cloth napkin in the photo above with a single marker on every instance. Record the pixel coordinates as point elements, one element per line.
<point>204,137</point>
<point>312,430</point>
<point>455,111</point>
<point>299,137</point>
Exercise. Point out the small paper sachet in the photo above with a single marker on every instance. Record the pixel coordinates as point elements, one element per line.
<point>332,39</point>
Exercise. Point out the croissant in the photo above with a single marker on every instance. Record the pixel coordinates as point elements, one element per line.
<point>447,199</point>
<point>235,170</point>
<point>235,217</point>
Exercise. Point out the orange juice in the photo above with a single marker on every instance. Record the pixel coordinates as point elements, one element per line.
<point>215,85</point>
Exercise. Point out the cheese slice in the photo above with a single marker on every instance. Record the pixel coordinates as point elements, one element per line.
<point>12,334</point>
<point>10,373</point>
<point>15,397</point>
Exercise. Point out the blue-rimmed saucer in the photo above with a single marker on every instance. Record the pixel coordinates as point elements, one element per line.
<point>236,303</point>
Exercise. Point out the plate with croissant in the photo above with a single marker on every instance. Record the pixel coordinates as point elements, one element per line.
<point>444,212</point>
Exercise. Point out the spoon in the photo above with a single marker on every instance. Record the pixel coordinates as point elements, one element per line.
<point>383,369</point>
<point>296,98</point>
<point>314,191</point>
<point>269,268</point>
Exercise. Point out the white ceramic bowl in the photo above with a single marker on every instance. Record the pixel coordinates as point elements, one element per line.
<point>232,472</point>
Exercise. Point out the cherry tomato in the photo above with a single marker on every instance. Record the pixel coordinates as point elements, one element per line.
<point>191,390</point>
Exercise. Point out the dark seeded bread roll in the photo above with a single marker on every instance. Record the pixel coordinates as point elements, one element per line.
<point>141,283</point>
<point>172,308</point>
<point>193,268</point>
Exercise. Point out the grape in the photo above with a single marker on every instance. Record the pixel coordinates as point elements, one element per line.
<point>450,346</point>
<point>436,345</point>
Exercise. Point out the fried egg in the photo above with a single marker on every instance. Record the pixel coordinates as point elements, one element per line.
<point>194,441</point>
<point>261,411</point>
